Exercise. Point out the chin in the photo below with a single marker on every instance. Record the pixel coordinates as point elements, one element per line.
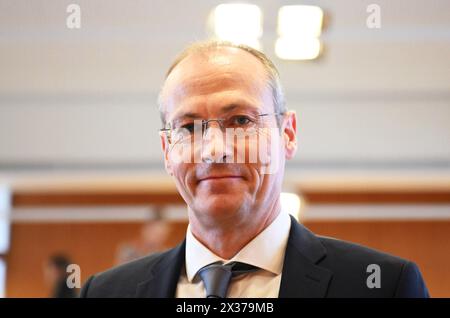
<point>221,206</point>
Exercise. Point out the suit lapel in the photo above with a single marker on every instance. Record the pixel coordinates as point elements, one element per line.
<point>301,276</point>
<point>163,277</point>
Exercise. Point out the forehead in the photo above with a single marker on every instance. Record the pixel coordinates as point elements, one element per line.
<point>207,82</point>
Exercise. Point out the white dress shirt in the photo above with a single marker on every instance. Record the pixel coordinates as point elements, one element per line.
<point>265,251</point>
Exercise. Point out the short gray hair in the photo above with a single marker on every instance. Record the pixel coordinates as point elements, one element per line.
<point>273,77</point>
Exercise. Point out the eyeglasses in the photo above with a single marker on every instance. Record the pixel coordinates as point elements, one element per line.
<point>184,131</point>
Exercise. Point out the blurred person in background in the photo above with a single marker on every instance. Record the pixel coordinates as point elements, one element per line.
<point>55,275</point>
<point>153,238</point>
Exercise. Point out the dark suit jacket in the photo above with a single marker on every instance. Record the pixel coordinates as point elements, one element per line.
<point>314,266</point>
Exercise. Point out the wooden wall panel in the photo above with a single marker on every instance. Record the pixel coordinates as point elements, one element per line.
<point>24,198</point>
<point>91,245</point>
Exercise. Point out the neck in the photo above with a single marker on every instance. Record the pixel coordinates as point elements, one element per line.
<point>226,239</point>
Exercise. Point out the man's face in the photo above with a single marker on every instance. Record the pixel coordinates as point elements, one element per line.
<point>227,82</point>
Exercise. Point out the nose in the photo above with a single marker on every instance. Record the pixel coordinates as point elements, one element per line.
<point>214,147</point>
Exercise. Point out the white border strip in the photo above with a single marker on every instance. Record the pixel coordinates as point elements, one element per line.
<point>310,213</point>
<point>91,214</point>
<point>375,212</point>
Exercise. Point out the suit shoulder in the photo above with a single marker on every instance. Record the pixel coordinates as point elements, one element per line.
<point>132,268</point>
<point>353,252</point>
<point>121,281</point>
<point>352,264</point>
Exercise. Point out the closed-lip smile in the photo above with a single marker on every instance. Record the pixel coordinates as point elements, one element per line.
<point>219,177</point>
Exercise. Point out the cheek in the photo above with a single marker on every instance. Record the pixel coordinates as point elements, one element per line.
<point>266,172</point>
<point>181,153</point>
<point>268,188</point>
<point>264,152</point>
<point>257,178</point>
<point>181,176</point>
<point>272,152</point>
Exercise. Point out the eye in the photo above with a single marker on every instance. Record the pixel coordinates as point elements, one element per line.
<point>189,127</point>
<point>241,120</point>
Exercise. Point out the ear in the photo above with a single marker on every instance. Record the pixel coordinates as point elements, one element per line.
<point>289,127</point>
<point>165,148</point>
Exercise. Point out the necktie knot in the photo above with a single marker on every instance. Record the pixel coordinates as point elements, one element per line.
<point>216,277</point>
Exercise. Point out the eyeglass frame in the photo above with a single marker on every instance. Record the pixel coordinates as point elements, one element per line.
<point>218,120</point>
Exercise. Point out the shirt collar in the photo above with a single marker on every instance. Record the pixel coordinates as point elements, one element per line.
<point>265,251</point>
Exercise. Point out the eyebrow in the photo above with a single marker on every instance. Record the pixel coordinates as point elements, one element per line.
<point>228,108</point>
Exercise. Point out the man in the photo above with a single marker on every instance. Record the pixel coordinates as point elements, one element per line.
<point>239,242</point>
